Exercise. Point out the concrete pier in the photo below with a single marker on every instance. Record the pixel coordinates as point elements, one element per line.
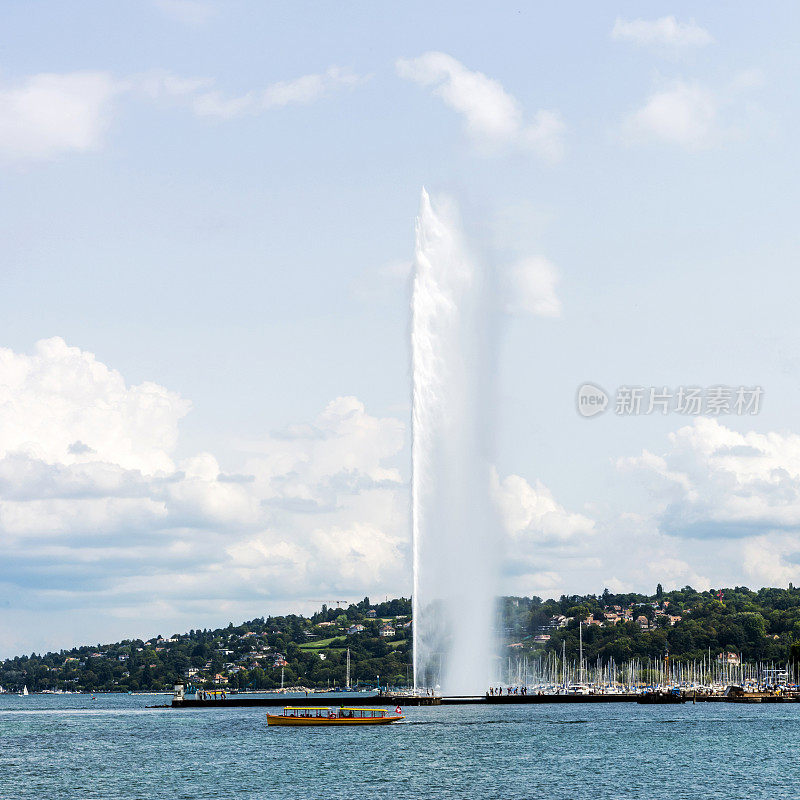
<point>243,701</point>
<point>359,699</point>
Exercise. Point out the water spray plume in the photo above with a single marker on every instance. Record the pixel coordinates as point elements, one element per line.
<point>455,530</point>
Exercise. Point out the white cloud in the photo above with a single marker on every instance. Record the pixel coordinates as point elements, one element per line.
<point>96,511</point>
<point>299,91</point>
<point>672,571</point>
<point>189,12</point>
<point>543,539</point>
<point>772,560</point>
<point>683,114</point>
<point>49,114</point>
<point>533,516</point>
<point>665,32</point>
<point>160,84</point>
<point>215,104</point>
<point>696,117</point>
<point>60,395</point>
<point>491,115</point>
<point>204,100</point>
<point>531,288</point>
<point>715,482</point>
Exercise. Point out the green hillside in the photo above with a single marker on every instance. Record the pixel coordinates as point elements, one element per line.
<point>761,625</point>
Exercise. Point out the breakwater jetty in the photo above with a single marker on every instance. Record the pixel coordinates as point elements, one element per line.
<point>243,701</point>
<point>223,700</point>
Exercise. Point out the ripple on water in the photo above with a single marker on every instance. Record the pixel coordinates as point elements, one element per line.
<point>58,748</point>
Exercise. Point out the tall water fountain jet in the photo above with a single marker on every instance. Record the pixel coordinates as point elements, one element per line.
<point>455,537</point>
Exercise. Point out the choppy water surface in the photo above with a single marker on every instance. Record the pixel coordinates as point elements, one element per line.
<point>71,747</point>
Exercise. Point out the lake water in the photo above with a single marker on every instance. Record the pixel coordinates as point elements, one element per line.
<point>57,747</point>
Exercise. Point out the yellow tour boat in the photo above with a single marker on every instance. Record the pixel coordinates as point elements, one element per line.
<point>309,715</point>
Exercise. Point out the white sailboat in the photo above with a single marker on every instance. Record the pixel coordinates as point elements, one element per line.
<point>25,690</point>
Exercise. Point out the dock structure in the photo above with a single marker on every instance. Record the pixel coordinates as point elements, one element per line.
<point>242,701</point>
<point>219,699</point>
<point>239,701</point>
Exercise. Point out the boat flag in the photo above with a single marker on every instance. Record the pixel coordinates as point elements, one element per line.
<point>397,710</point>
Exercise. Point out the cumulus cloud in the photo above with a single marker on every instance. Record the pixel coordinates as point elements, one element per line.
<point>97,512</point>
<point>683,114</point>
<point>45,115</point>
<point>61,405</point>
<point>665,32</point>
<point>491,115</point>
<point>533,516</point>
<point>531,288</point>
<point>716,482</point>
<point>772,559</point>
<point>695,117</point>
<point>543,540</point>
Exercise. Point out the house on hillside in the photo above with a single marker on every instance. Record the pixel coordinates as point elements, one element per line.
<point>386,630</point>
<point>354,629</point>
<point>731,659</point>
<point>372,613</point>
<point>642,622</point>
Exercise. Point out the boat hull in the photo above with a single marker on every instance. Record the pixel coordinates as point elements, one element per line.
<point>279,719</point>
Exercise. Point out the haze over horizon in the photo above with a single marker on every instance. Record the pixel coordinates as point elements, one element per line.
<point>208,230</point>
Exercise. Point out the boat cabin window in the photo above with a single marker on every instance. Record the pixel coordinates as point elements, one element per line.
<point>362,713</point>
<point>306,712</point>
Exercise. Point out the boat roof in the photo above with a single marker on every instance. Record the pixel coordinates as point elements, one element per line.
<point>330,708</point>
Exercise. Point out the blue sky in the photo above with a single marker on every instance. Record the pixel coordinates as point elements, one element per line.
<point>208,219</point>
